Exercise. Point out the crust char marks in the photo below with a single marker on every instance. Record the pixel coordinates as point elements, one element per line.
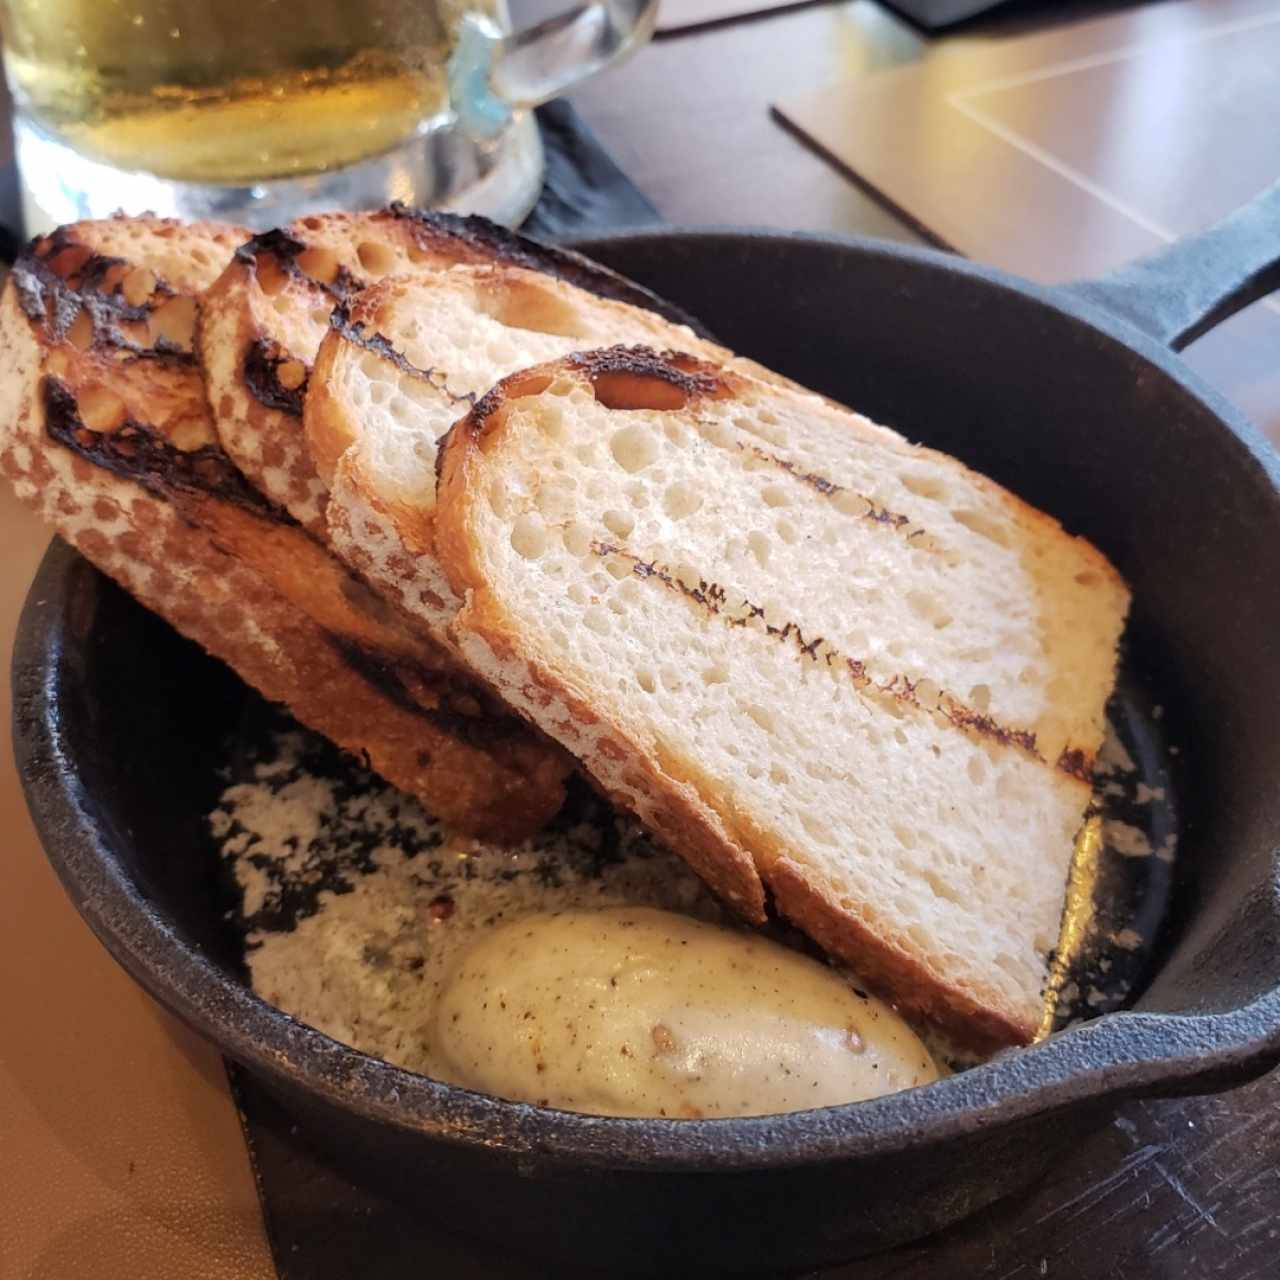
<point>1077,763</point>
<point>695,378</point>
<point>138,452</point>
<point>58,280</point>
<point>621,377</point>
<point>283,251</point>
<point>360,335</point>
<point>829,488</point>
<point>714,599</point>
<point>275,377</point>
<point>438,696</point>
<point>494,243</point>
<point>277,243</point>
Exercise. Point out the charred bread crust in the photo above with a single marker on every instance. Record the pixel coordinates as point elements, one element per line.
<point>635,377</point>
<point>467,238</point>
<point>450,238</point>
<point>137,451</point>
<point>255,388</point>
<point>495,243</point>
<point>181,530</point>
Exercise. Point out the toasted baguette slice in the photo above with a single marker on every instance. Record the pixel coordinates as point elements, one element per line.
<point>401,363</point>
<point>263,319</point>
<point>727,601</point>
<point>104,430</point>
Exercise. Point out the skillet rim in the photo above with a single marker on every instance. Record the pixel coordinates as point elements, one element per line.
<point>1126,1053</point>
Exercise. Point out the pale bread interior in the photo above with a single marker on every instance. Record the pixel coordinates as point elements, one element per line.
<point>273,304</point>
<point>373,416</point>
<point>459,331</point>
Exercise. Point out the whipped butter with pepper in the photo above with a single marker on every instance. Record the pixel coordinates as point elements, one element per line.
<point>641,1012</point>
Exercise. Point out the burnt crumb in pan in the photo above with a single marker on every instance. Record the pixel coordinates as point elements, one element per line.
<point>351,901</point>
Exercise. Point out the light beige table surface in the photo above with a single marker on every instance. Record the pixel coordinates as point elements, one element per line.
<point>120,1151</point>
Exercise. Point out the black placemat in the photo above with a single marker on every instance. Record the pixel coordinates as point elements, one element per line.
<point>322,1226</point>
<point>583,190</point>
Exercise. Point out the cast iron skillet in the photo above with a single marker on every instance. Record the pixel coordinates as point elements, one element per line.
<point>1070,396</point>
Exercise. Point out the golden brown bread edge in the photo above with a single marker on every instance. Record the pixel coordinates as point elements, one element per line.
<point>715,844</point>
<point>104,431</point>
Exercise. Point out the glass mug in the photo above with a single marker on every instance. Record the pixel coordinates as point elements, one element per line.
<point>259,111</point>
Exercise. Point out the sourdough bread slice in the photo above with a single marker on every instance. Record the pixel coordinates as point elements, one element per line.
<point>263,319</point>
<point>401,362</point>
<point>760,623</point>
<point>105,431</point>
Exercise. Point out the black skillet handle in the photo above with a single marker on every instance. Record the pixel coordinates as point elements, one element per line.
<point>1178,293</point>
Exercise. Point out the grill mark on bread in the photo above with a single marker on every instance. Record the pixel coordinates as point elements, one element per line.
<point>829,488</point>
<point>986,726</point>
<point>137,451</point>
<point>360,335</point>
<point>714,599</point>
<point>263,363</point>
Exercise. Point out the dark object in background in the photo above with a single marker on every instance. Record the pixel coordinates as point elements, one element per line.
<point>933,15</point>
<point>1085,415</point>
<point>582,187</point>
<point>11,237</point>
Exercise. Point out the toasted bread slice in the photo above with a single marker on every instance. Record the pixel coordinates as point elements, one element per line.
<point>400,363</point>
<point>104,430</point>
<point>263,319</point>
<point>810,656</point>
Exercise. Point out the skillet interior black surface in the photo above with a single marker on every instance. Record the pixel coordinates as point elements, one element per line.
<point>117,726</point>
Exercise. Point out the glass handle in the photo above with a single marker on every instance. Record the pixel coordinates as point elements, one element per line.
<point>493,73</point>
